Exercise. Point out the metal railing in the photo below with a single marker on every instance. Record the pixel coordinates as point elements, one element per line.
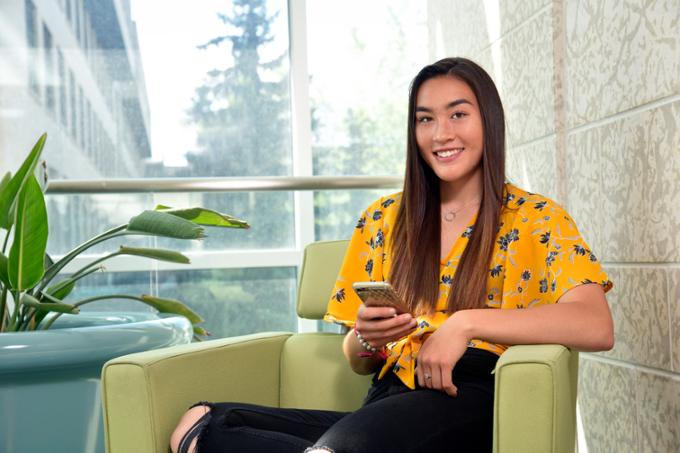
<point>226,184</point>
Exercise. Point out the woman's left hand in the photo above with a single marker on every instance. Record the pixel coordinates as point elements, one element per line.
<point>440,353</point>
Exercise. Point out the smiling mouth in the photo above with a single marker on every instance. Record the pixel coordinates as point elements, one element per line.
<point>449,152</point>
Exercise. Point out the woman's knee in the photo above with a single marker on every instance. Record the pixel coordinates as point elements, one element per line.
<point>186,423</point>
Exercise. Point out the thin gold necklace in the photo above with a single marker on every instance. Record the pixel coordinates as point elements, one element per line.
<point>450,215</point>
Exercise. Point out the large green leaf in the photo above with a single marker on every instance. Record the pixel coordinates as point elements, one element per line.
<point>172,306</point>
<point>205,217</point>
<point>48,261</point>
<point>10,193</point>
<point>62,288</point>
<point>5,181</point>
<point>162,224</point>
<point>4,276</point>
<point>32,302</point>
<point>156,254</point>
<point>49,298</point>
<point>27,255</point>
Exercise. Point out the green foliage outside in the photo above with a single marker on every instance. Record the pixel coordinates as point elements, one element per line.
<point>232,301</point>
<point>374,131</point>
<point>243,119</point>
<point>242,115</point>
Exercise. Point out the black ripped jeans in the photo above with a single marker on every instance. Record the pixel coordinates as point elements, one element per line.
<point>393,418</point>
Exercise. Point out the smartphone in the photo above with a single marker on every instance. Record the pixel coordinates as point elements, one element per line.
<point>379,294</point>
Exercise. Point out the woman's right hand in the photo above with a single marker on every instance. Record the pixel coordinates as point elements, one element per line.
<point>381,325</point>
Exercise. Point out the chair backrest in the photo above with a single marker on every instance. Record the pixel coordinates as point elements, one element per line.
<point>320,267</point>
<point>314,372</point>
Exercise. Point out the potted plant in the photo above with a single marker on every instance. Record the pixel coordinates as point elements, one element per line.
<point>48,365</point>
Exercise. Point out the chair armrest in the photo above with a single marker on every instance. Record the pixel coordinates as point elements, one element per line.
<point>535,401</point>
<point>144,394</point>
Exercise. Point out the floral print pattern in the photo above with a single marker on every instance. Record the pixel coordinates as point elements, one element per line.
<point>538,256</point>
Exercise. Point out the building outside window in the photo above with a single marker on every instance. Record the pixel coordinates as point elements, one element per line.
<point>32,42</point>
<point>48,52</point>
<point>61,85</point>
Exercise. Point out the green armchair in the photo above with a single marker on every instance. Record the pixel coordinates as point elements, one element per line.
<point>144,394</point>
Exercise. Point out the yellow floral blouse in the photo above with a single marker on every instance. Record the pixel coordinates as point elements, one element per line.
<point>539,255</point>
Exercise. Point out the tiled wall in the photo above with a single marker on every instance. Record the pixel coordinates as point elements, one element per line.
<point>592,94</point>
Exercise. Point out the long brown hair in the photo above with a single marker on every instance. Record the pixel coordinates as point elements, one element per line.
<point>416,240</point>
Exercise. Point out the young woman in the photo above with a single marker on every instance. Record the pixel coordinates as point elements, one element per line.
<point>479,263</point>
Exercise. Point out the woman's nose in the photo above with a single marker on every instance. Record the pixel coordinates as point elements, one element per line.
<point>444,132</point>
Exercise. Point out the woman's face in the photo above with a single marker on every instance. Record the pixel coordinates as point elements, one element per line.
<point>448,128</point>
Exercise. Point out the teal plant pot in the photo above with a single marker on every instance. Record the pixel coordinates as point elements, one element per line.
<point>49,380</point>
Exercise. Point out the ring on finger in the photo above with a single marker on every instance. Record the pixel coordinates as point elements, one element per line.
<point>427,376</point>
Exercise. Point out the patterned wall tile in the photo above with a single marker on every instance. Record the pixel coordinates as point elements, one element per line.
<point>606,396</point>
<point>623,178</point>
<point>640,163</point>
<point>558,26</point>
<point>527,80</point>
<point>620,54</point>
<point>584,188</point>
<point>621,156</point>
<point>514,12</point>
<point>674,308</point>
<point>532,167</point>
<point>658,400</point>
<point>639,305</point>
<point>464,27</point>
<point>456,29</point>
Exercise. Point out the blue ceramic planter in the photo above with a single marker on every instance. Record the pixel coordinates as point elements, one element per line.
<point>49,380</point>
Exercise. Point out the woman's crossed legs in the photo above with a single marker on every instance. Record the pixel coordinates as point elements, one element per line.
<point>241,427</point>
<point>393,419</point>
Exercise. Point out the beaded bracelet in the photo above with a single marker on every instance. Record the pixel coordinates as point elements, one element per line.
<point>365,343</point>
<point>372,350</point>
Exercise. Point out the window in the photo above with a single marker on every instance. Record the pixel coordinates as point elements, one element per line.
<point>69,11</point>
<point>61,83</point>
<point>78,20</point>
<point>358,125</point>
<point>81,118</point>
<point>232,301</point>
<point>72,104</point>
<point>31,34</point>
<point>49,69</point>
<point>206,92</point>
<point>32,41</point>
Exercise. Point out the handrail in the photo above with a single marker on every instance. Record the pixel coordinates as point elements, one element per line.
<point>225,184</point>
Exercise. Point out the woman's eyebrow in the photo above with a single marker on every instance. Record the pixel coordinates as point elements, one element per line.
<point>450,105</point>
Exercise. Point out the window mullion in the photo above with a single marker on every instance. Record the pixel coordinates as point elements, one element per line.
<point>302,136</point>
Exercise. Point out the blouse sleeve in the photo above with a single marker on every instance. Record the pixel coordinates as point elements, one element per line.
<point>363,262</point>
<point>567,260</point>
<point>546,257</point>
